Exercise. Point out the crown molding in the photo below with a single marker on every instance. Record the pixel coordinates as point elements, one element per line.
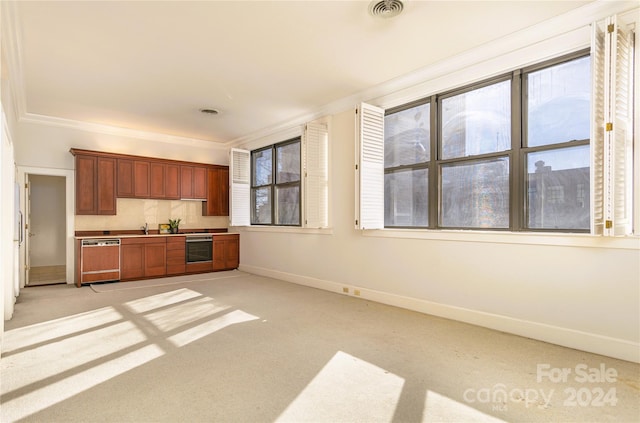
<point>394,90</point>
<point>31,118</point>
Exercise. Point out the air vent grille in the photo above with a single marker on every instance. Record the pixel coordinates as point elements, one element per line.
<point>385,8</point>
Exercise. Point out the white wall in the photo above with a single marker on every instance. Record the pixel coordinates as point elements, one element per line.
<point>574,290</point>
<point>48,145</point>
<point>47,221</point>
<point>581,292</point>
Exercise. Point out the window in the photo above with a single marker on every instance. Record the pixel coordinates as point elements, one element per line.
<point>557,153</point>
<point>285,184</point>
<point>275,184</point>
<point>407,152</point>
<point>510,153</point>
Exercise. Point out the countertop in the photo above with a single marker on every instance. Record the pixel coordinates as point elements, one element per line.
<point>115,234</point>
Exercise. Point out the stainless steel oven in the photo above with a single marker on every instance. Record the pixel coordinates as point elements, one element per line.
<point>199,248</point>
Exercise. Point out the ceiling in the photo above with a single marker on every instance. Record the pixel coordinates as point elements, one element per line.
<point>152,65</point>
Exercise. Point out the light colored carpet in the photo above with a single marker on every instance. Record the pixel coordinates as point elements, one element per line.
<point>254,349</point>
<point>174,280</point>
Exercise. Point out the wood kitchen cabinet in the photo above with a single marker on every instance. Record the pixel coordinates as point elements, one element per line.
<point>125,178</point>
<point>103,177</point>
<point>172,182</point>
<point>142,257</point>
<point>193,182</point>
<point>141,178</point>
<point>152,256</point>
<point>131,260</point>
<point>157,180</point>
<point>217,203</point>
<point>226,252</point>
<point>95,185</point>
<point>164,180</point>
<point>176,256</point>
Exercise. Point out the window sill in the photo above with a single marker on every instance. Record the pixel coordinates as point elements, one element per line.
<point>527,238</point>
<point>285,229</point>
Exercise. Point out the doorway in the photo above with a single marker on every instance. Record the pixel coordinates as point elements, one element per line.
<point>46,231</point>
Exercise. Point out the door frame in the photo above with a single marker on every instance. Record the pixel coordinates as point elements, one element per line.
<point>69,175</point>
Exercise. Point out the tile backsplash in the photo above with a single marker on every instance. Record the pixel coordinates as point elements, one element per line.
<point>134,213</point>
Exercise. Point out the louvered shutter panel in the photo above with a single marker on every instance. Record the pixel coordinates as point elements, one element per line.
<point>622,137</point>
<point>597,127</point>
<point>612,140</point>
<point>370,167</point>
<point>316,171</point>
<point>240,171</point>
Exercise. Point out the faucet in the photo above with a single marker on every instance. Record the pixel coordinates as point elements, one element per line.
<point>145,228</point>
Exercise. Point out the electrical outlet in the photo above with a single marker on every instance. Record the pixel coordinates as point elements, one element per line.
<point>356,292</point>
<point>345,290</point>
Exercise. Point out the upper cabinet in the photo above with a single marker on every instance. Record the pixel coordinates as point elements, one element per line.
<point>217,203</point>
<point>193,183</point>
<point>125,178</point>
<point>95,185</point>
<point>101,177</point>
<point>172,182</point>
<point>141,185</point>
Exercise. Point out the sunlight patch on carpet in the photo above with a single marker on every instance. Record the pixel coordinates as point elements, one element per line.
<point>345,384</point>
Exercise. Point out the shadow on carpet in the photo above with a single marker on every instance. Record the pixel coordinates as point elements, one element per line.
<point>145,283</point>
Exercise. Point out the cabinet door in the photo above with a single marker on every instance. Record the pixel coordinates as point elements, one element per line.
<point>217,203</point>
<point>186,181</point>
<point>223,192</point>
<point>172,182</point>
<point>219,256</point>
<point>226,252</point>
<point>232,252</point>
<point>106,198</point>
<point>157,177</point>
<point>155,259</point>
<point>200,182</point>
<point>86,185</point>
<point>131,261</point>
<point>141,179</point>
<point>125,178</point>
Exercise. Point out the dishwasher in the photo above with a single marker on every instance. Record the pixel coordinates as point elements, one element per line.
<point>99,260</point>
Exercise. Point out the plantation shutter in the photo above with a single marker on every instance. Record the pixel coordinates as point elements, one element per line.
<point>240,171</point>
<point>316,174</point>
<point>369,167</point>
<point>611,166</point>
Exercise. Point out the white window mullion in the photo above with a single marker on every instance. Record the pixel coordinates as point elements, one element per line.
<point>369,167</point>
<point>316,175</point>
<point>240,180</point>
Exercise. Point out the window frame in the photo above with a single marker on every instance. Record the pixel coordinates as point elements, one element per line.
<point>421,165</point>
<point>274,185</point>
<point>516,154</point>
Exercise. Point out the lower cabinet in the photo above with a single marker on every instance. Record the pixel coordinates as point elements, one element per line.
<point>226,252</point>
<point>176,262</point>
<point>157,256</point>
<point>143,257</point>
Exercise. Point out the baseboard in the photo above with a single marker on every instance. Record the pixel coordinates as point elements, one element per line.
<point>584,341</point>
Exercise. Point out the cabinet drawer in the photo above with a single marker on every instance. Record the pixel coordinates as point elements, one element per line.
<point>176,247</point>
<point>175,269</point>
<point>175,261</point>
<point>142,240</point>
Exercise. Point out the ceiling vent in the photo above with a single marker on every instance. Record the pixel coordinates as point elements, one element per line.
<point>385,8</point>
